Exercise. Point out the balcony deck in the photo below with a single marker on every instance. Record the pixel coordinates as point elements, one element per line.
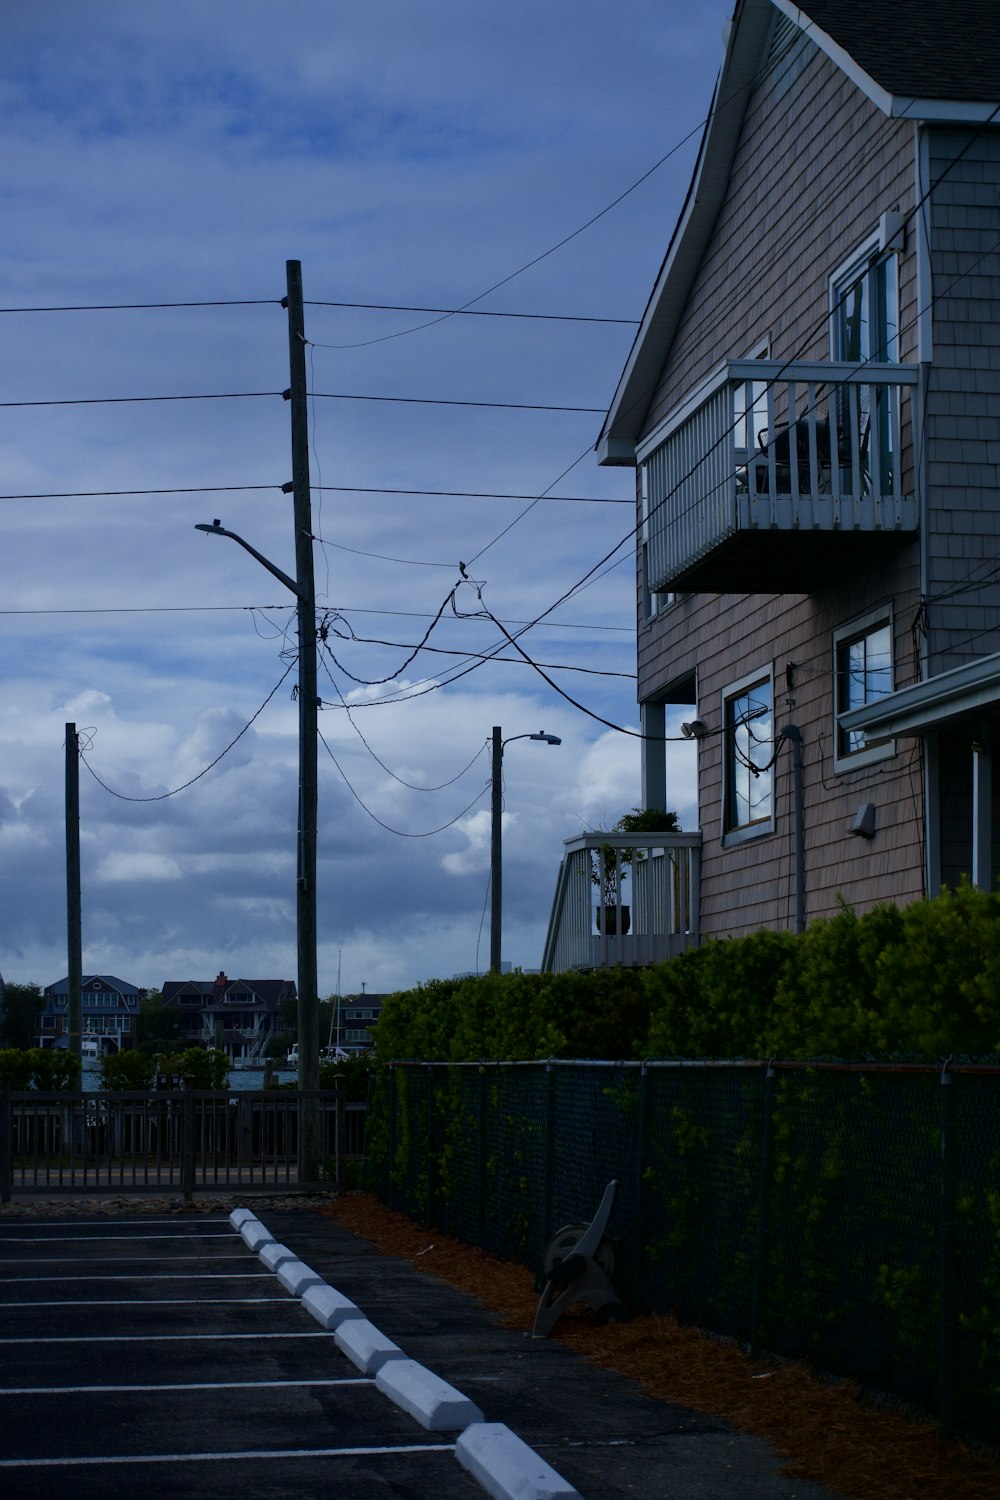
<point>654,876</point>
<point>747,492</point>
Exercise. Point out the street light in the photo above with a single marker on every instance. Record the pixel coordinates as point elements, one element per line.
<point>496,839</point>
<point>305,909</point>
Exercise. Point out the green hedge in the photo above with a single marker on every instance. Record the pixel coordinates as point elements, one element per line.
<point>923,982</point>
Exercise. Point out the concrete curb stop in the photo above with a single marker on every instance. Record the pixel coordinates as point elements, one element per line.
<point>272,1254</point>
<point>296,1277</point>
<point>239,1217</point>
<point>330,1307</point>
<point>253,1234</point>
<point>431,1401</point>
<point>366,1346</point>
<point>507,1468</point>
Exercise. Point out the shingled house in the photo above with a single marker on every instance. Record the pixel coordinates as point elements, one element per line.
<point>812,408</point>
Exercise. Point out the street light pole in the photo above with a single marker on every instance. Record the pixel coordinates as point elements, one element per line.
<point>496,834</point>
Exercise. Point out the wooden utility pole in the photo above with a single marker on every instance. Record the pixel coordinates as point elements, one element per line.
<point>308,983</point>
<point>74,925</point>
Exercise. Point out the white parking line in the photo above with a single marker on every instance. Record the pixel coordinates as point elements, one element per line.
<point>195,1385</point>
<point>146,1302</point>
<point>252,1454</point>
<point>145,1276</point>
<point>96,1239</point>
<point>159,1338</point>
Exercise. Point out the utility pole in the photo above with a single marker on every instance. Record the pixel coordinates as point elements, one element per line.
<point>308,982</point>
<point>496,848</point>
<point>74,925</point>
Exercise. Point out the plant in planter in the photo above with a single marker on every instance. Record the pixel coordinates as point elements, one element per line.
<point>610,862</point>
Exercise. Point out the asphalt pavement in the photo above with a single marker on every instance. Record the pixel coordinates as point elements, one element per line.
<point>163,1356</point>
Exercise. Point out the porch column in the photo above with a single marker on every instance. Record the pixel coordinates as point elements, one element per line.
<point>652,720</point>
<point>982,811</point>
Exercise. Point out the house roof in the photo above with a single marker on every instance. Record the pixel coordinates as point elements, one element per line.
<point>270,991</point>
<point>924,62</point>
<point>925,50</point>
<point>106,981</point>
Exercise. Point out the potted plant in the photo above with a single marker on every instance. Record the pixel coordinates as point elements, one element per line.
<point>607,861</point>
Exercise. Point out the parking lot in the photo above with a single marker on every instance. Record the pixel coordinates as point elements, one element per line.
<point>159,1356</point>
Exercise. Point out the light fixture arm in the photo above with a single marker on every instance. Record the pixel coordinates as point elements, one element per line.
<point>217,529</point>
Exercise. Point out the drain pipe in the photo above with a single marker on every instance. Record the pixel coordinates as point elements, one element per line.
<point>791,734</point>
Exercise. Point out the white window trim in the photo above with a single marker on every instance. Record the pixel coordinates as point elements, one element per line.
<point>853,630</point>
<point>731,837</point>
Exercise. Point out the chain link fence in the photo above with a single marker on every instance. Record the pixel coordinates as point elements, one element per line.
<point>848,1216</point>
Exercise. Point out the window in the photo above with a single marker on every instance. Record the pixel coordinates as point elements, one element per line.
<point>862,672</point>
<point>864,328</point>
<point>748,751</point>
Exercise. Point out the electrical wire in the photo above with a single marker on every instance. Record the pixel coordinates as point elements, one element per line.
<point>399,832</point>
<point>460,312</point>
<point>162,797</point>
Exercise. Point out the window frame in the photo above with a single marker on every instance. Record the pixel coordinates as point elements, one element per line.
<point>734,833</point>
<point>848,634</point>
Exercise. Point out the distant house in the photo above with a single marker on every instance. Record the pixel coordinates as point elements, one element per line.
<point>109,1015</point>
<point>358,1016</point>
<point>811,410</point>
<point>239,1016</point>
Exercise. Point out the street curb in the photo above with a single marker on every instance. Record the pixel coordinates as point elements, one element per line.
<point>366,1346</point>
<point>507,1468</point>
<point>431,1401</point>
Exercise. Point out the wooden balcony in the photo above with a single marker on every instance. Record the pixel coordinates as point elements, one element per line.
<point>652,876</point>
<point>779,475</point>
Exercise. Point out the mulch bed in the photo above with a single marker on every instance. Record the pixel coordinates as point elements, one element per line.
<point>823,1432</point>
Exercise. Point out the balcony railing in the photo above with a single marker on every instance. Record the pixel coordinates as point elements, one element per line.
<point>643,910</point>
<point>776,452</point>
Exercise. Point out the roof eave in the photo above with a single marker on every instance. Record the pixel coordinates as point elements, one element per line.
<point>931,704</point>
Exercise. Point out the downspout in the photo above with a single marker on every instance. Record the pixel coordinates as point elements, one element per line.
<point>791,734</point>
<point>924,291</point>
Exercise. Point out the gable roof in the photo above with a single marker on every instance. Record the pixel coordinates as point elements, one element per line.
<point>925,50</point>
<point>923,62</point>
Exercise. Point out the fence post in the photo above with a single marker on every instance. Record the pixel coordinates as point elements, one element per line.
<point>429,1147</point>
<point>481,1157</point>
<point>187,1137</point>
<point>549,1174</point>
<point>641,1188</point>
<point>390,1184</point>
<point>946,1391</point>
<point>6,1141</point>
<point>340,1107</point>
<point>763,1214</point>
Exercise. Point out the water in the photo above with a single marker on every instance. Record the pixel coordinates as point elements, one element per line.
<point>242,1079</point>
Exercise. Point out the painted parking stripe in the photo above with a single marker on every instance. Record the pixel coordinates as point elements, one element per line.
<point>115,1239</point>
<point>145,1276</point>
<point>160,1338</point>
<point>73,1260</point>
<point>255,1455</point>
<point>195,1385</point>
<point>148,1302</point>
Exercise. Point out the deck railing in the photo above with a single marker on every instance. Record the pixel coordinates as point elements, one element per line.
<point>788,446</point>
<point>641,908</point>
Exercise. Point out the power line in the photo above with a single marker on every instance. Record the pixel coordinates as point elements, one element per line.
<point>139,400</point>
<point>439,401</point>
<point>162,797</point>
<point>429,833</point>
<point>146,306</point>
<point>465,312</point>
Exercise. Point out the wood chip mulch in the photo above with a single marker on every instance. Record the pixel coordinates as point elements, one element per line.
<point>822,1432</point>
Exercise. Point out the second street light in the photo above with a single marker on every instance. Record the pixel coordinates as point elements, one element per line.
<point>496,837</point>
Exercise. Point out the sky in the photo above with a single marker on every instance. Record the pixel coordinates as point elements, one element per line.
<point>163,163</point>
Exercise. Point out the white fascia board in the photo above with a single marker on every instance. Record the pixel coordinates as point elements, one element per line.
<point>946,111</point>
<point>930,704</point>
